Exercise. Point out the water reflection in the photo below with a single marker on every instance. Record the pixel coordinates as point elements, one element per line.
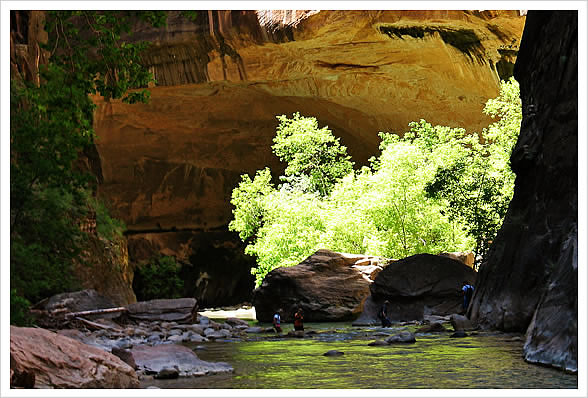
<point>434,361</point>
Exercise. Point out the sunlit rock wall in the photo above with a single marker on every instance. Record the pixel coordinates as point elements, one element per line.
<point>223,76</point>
<point>530,279</point>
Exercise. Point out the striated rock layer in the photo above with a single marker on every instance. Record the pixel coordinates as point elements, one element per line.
<point>223,76</point>
<point>61,362</point>
<point>529,280</point>
<point>174,162</point>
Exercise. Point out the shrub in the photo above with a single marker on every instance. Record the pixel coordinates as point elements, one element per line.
<point>158,279</point>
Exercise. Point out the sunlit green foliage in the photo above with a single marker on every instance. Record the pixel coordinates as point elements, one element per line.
<point>477,181</point>
<point>51,124</point>
<point>432,189</point>
<point>315,158</point>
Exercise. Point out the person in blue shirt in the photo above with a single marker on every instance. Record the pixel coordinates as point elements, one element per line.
<point>468,292</point>
<point>277,320</point>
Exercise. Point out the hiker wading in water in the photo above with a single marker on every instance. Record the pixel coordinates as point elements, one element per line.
<point>277,320</point>
<point>298,318</point>
<point>468,292</point>
<point>383,315</point>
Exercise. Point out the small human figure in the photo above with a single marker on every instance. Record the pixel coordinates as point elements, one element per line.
<point>277,320</point>
<point>468,292</point>
<point>383,315</point>
<point>298,318</point>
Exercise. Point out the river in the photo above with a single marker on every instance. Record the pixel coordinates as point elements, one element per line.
<point>481,360</point>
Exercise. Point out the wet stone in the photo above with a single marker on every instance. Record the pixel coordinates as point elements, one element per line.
<point>377,343</point>
<point>333,353</point>
<point>402,337</point>
<point>167,373</point>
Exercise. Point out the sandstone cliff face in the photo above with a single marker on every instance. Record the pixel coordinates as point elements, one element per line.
<point>223,77</point>
<point>530,278</point>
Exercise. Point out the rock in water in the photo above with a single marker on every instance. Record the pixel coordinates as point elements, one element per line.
<point>172,356</point>
<point>402,337</point>
<point>434,327</point>
<point>167,373</point>
<point>333,353</point>
<point>178,310</point>
<point>415,283</point>
<point>328,286</point>
<point>529,281</point>
<point>125,355</point>
<point>459,333</point>
<point>61,362</point>
<point>378,343</point>
<point>460,322</point>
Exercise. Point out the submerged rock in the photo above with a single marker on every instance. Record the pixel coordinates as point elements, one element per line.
<point>333,353</point>
<point>155,359</point>
<point>378,343</point>
<point>434,327</point>
<point>459,333</point>
<point>402,337</point>
<point>167,373</point>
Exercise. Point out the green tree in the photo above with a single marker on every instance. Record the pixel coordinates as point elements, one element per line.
<point>158,279</point>
<point>477,184</point>
<point>432,189</point>
<point>51,124</point>
<point>315,158</point>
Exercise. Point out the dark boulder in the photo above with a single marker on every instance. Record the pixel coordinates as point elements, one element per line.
<point>434,327</point>
<point>460,322</point>
<point>529,280</point>
<point>328,286</point>
<point>378,343</point>
<point>125,355</point>
<point>402,337</point>
<point>418,285</point>
<point>333,353</point>
<point>167,373</point>
<point>169,310</point>
<point>83,300</point>
<point>459,333</point>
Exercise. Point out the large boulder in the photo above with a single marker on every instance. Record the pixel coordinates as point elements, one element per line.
<point>328,286</point>
<point>83,300</point>
<point>61,362</point>
<point>418,285</point>
<point>181,310</point>
<point>173,356</point>
<point>529,280</point>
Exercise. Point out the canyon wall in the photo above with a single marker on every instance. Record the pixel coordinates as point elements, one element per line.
<point>529,281</point>
<point>169,167</point>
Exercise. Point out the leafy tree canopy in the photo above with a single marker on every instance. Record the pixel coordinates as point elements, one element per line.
<point>432,189</point>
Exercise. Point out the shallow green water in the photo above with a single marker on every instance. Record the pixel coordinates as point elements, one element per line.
<point>434,361</point>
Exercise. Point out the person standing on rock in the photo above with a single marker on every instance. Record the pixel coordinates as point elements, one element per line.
<point>277,320</point>
<point>468,292</point>
<point>298,318</point>
<point>383,315</point>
